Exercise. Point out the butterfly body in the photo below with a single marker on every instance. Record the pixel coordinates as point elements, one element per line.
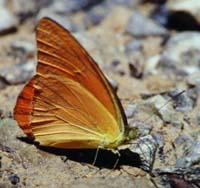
<point>68,103</point>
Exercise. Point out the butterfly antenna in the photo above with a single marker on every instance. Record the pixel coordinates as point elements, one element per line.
<point>156,111</point>
<point>162,106</point>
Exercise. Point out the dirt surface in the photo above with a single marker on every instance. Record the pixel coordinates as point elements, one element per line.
<point>156,73</point>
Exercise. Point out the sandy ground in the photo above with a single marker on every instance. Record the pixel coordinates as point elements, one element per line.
<point>23,164</point>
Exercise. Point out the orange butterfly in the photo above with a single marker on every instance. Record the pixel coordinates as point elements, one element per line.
<point>69,103</point>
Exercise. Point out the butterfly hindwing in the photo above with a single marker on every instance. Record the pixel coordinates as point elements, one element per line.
<point>71,103</point>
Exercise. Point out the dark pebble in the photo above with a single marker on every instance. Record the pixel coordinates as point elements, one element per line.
<point>115,63</point>
<point>14,179</point>
<point>161,14</point>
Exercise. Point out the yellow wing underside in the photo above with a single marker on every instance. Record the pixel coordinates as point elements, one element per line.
<point>66,115</point>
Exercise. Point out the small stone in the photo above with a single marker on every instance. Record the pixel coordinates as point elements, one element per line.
<point>130,110</point>
<point>193,79</point>
<point>14,179</point>
<point>146,147</point>
<point>132,46</point>
<point>192,155</point>
<point>25,9</point>
<point>183,102</point>
<point>140,26</point>
<point>95,15</point>
<point>8,22</point>
<point>182,53</point>
<point>152,64</point>
<point>181,139</point>
<point>136,66</point>
<point>3,83</point>
<point>161,15</point>
<point>115,63</point>
<point>177,177</point>
<point>18,73</point>
<point>24,47</point>
<point>159,139</point>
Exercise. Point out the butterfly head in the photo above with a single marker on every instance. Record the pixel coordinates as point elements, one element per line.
<point>131,134</point>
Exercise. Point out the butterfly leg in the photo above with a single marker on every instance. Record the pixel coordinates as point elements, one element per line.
<point>95,157</point>
<point>118,157</point>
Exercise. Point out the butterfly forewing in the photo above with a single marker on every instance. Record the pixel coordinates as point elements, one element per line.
<point>71,104</point>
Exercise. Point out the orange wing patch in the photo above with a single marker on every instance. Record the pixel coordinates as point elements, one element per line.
<point>23,108</point>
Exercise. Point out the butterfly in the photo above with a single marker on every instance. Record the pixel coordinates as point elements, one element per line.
<point>69,103</point>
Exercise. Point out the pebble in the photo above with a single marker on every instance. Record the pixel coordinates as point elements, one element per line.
<point>193,79</point>
<point>136,66</point>
<point>161,15</point>
<point>95,15</point>
<point>141,26</point>
<point>14,179</point>
<point>130,110</point>
<point>178,177</point>
<point>145,147</point>
<point>25,9</point>
<point>159,139</point>
<point>2,83</point>
<point>133,46</point>
<point>183,102</point>
<point>181,139</point>
<point>115,63</point>
<point>19,73</point>
<point>182,53</point>
<point>152,64</point>
<point>23,47</point>
<point>8,22</point>
<point>191,156</point>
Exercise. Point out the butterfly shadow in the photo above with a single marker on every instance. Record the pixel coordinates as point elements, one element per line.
<point>105,158</point>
